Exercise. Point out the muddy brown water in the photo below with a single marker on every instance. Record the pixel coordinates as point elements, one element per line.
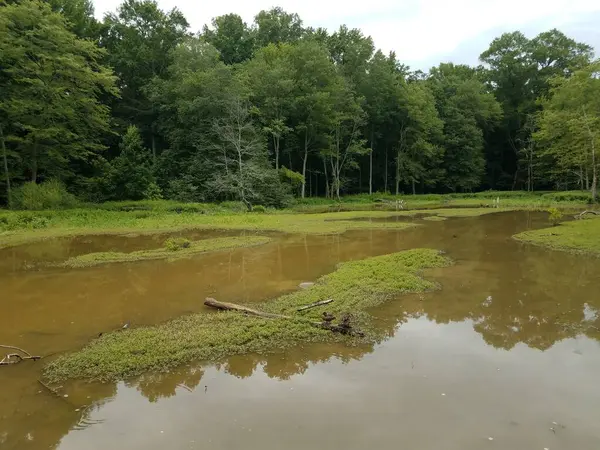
<point>505,355</point>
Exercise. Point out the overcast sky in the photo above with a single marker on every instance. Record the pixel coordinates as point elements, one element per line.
<point>422,32</point>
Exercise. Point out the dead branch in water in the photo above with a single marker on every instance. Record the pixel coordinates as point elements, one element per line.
<point>223,306</point>
<point>14,358</point>
<point>49,389</point>
<point>315,304</point>
<point>581,214</point>
<point>344,327</point>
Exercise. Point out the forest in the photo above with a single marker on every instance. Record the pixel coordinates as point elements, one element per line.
<point>140,106</point>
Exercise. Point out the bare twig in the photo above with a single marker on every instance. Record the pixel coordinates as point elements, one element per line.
<point>11,347</point>
<point>14,358</point>
<point>315,304</point>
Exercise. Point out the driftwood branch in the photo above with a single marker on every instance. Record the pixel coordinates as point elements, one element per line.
<point>344,327</point>
<point>581,214</point>
<point>223,306</point>
<point>315,304</point>
<point>14,358</point>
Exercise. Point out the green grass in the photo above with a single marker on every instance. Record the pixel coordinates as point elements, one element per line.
<point>486,199</point>
<point>173,250</point>
<point>355,287</point>
<point>581,236</point>
<point>19,227</point>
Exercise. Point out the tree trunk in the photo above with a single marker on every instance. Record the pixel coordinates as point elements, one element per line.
<point>153,148</point>
<point>414,191</point>
<point>326,179</point>
<point>386,170</point>
<point>371,166</point>
<point>6,174</point>
<point>276,149</point>
<point>593,147</point>
<point>34,163</point>
<point>398,173</point>
<point>304,171</point>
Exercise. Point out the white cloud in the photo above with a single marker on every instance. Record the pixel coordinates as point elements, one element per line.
<point>418,30</point>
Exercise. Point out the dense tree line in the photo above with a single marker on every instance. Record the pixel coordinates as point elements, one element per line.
<point>139,106</point>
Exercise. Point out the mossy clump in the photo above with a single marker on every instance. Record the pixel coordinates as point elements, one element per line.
<point>355,287</point>
<point>580,236</point>
<point>174,244</point>
<point>174,248</point>
<point>435,218</point>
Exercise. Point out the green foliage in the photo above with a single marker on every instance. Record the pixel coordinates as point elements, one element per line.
<point>569,127</point>
<point>24,221</point>
<point>356,287</point>
<point>52,118</point>
<point>554,216</point>
<point>259,209</point>
<point>131,176</point>
<point>342,116</point>
<point>51,194</point>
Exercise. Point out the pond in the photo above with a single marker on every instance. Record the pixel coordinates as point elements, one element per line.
<point>506,354</point>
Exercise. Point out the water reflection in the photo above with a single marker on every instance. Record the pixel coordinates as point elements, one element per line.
<point>501,299</point>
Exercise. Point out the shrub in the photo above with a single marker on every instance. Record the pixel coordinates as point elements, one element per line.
<point>174,244</point>
<point>153,191</point>
<point>259,209</point>
<point>22,221</point>
<point>51,194</point>
<point>554,216</point>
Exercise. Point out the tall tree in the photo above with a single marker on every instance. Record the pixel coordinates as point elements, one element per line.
<point>270,80</point>
<point>314,75</point>
<point>276,26</point>
<point>346,143</point>
<point>195,94</point>
<point>131,176</point>
<point>419,143</point>
<point>79,15</point>
<point>382,102</point>
<point>51,83</point>
<point>518,71</point>
<point>569,127</point>
<point>466,108</point>
<point>140,38</point>
<point>231,37</point>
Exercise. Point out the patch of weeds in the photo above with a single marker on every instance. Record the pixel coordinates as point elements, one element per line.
<point>174,244</point>
<point>355,287</point>
<point>554,216</point>
<point>580,236</point>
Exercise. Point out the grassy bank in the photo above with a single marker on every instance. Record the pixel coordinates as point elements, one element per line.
<point>25,226</point>
<point>174,249</point>
<point>581,236</point>
<point>487,199</point>
<point>354,286</point>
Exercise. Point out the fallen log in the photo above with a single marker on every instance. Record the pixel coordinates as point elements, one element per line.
<point>315,304</point>
<point>583,213</point>
<point>344,327</point>
<point>224,306</point>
